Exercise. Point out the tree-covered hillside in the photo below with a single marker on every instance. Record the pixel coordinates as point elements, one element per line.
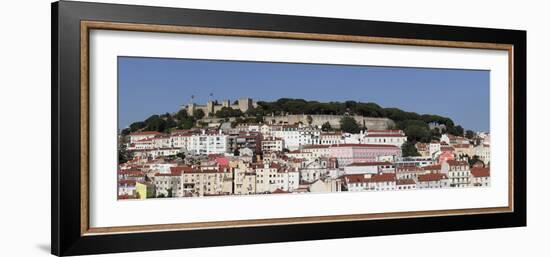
<point>413,124</point>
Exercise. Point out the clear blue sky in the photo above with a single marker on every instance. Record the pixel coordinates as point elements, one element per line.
<point>157,85</point>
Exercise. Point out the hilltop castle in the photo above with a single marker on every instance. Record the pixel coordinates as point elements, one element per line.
<point>211,107</point>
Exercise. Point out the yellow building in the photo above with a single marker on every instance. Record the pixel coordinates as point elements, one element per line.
<point>144,190</point>
<point>208,182</point>
<point>244,179</point>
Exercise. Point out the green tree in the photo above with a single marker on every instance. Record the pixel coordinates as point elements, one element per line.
<point>417,133</point>
<point>309,120</point>
<point>326,126</point>
<point>259,119</point>
<point>469,134</point>
<point>455,130</point>
<point>403,118</point>
<point>435,134</point>
<point>123,154</point>
<point>156,123</point>
<point>473,160</point>
<point>186,123</point>
<point>227,112</point>
<point>170,123</point>
<point>459,130</point>
<point>198,114</point>
<point>368,110</point>
<point>409,149</point>
<point>137,126</point>
<point>181,114</point>
<point>237,121</point>
<point>125,132</point>
<point>477,141</point>
<point>349,124</point>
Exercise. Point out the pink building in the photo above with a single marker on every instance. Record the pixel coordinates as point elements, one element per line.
<point>349,153</point>
<point>447,154</point>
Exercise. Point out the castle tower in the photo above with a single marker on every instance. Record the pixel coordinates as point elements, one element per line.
<point>226,103</point>
<point>210,108</point>
<point>245,104</point>
<point>191,109</point>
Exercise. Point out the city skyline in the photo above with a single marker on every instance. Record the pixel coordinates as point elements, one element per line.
<point>150,86</point>
<point>185,155</point>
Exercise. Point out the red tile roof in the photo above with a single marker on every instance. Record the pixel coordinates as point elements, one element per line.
<point>355,178</point>
<point>275,165</point>
<point>462,145</point>
<point>447,149</point>
<point>431,177</point>
<point>280,191</point>
<point>366,145</point>
<point>362,164</point>
<point>408,168</point>
<point>385,135</point>
<point>295,151</point>
<point>126,182</point>
<point>385,177</point>
<point>176,171</point>
<point>297,160</point>
<point>145,140</point>
<point>360,178</point>
<point>125,197</point>
<point>214,156</point>
<point>457,163</point>
<point>432,167</point>
<point>405,182</point>
<point>384,130</point>
<point>272,139</point>
<point>480,172</point>
<point>144,133</point>
<point>167,174</point>
<point>349,145</point>
<point>315,146</point>
<point>131,172</point>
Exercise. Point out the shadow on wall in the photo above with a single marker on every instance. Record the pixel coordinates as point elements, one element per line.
<point>44,247</point>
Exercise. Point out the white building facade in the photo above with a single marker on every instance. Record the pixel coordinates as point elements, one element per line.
<point>208,143</point>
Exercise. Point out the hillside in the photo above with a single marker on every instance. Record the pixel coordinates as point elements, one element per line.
<point>415,125</point>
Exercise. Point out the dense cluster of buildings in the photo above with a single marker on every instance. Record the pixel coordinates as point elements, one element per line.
<point>267,159</point>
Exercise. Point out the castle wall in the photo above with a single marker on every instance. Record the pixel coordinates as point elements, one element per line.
<point>244,104</point>
<point>212,107</point>
<point>333,120</point>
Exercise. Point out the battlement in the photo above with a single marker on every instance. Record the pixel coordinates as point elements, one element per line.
<point>211,107</point>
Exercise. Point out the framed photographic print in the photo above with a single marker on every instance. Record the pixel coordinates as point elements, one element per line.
<point>179,128</point>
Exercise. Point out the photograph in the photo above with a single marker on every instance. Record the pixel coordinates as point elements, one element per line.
<point>205,128</point>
